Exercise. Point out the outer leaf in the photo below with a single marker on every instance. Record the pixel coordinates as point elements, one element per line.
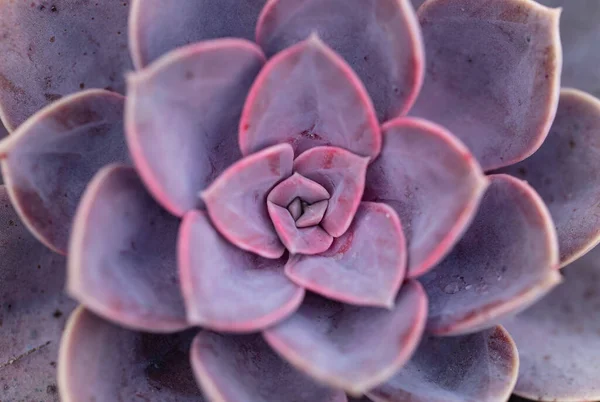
<point>102,362</point>
<point>228,289</point>
<point>480,367</point>
<point>33,309</point>
<point>55,48</point>
<point>308,96</point>
<point>318,337</point>
<point>493,74</point>
<point>380,40</point>
<point>364,266</point>
<point>156,28</point>
<point>566,173</point>
<point>343,175</point>
<point>182,117</point>
<point>237,200</point>
<point>50,159</point>
<point>579,34</point>
<point>565,366</point>
<point>244,369</point>
<point>434,184</point>
<point>122,254</point>
<point>507,259</point>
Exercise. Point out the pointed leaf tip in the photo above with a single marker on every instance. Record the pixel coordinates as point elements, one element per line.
<point>220,282</point>
<point>316,339</point>
<point>506,260</point>
<point>178,151</point>
<point>50,159</point>
<point>308,96</point>
<point>122,254</point>
<point>500,103</point>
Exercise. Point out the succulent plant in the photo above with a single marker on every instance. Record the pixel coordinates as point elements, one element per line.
<point>299,200</point>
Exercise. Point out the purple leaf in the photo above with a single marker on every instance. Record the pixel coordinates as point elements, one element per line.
<point>313,214</point>
<point>297,187</point>
<point>343,175</point>
<point>182,117</point>
<point>580,35</point>
<point>228,289</point>
<point>565,173</point>
<point>103,362</point>
<point>33,309</point>
<point>310,240</point>
<point>308,96</point>
<point>434,184</point>
<point>558,338</point>
<point>350,347</point>
<point>492,76</point>
<point>49,160</point>
<point>507,259</point>
<point>237,200</point>
<point>380,40</point>
<point>242,368</point>
<point>52,49</point>
<point>365,266</point>
<point>122,254</point>
<point>480,367</point>
<point>156,27</point>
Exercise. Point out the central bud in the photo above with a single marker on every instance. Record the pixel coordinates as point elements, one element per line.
<point>297,206</point>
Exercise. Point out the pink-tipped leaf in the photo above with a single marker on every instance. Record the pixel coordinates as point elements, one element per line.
<point>365,266</point>
<point>103,362</point>
<point>379,39</point>
<point>122,254</point>
<point>350,347</point>
<point>308,96</point>
<point>506,260</point>
<point>182,115</point>
<point>226,288</point>
<point>50,159</point>
<point>434,184</point>
<point>479,367</point>
<point>492,74</point>
<point>342,173</point>
<point>243,368</point>
<point>237,200</point>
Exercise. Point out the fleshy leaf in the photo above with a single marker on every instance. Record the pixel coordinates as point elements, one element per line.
<point>183,113</point>
<point>50,159</point>
<point>318,337</point>
<point>156,28</point>
<point>364,266</point>
<point>220,282</point>
<point>310,240</point>
<point>480,367</point>
<point>122,254</point>
<point>580,35</point>
<point>434,184</point>
<point>380,40</point>
<point>492,75</point>
<point>565,171</point>
<point>312,214</point>
<point>242,368</point>
<point>308,96</point>
<point>558,338</point>
<point>506,260</point>
<point>52,49</point>
<point>297,186</point>
<point>103,362</point>
<point>237,200</point>
<point>33,309</point>
<point>343,175</point>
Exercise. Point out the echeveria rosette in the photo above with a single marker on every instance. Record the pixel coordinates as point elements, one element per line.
<point>319,110</point>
